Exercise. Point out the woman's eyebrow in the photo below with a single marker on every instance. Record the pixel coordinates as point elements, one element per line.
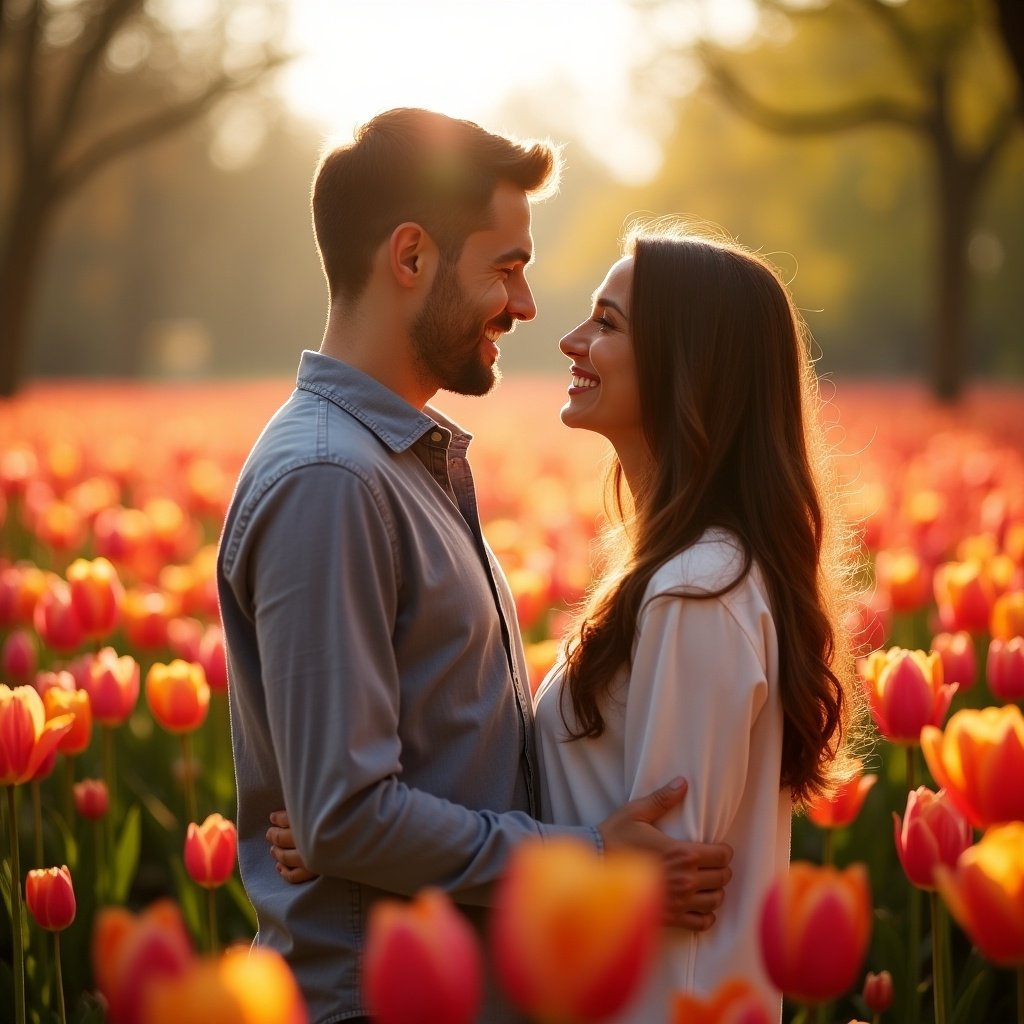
<point>603,302</point>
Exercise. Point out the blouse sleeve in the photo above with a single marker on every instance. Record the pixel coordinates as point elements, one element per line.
<point>697,684</point>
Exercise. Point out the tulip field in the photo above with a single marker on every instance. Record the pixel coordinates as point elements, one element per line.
<point>121,900</point>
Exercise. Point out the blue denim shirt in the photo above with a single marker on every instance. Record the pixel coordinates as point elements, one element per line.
<point>377,682</point>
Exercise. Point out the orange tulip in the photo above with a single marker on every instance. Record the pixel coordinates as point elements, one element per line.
<point>573,933</point>
<point>96,594</point>
<point>733,1002</point>
<point>905,692</point>
<point>144,617</point>
<point>1008,615</point>
<point>878,991</point>
<point>423,962</point>
<point>902,578</point>
<point>242,986</point>
<point>59,525</point>
<point>92,798</point>
<point>50,896</point>
<point>27,739</point>
<point>21,586</point>
<point>113,686</point>
<point>932,832</point>
<point>975,759</point>
<point>844,805</point>
<point>130,952</point>
<point>55,618</point>
<point>985,893</point>
<point>58,701</point>
<point>956,652</point>
<point>964,594</point>
<point>178,695</point>
<point>19,658</point>
<point>1005,668</point>
<point>210,851</point>
<point>815,926</point>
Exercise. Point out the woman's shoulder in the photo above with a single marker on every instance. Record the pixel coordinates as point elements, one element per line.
<point>714,562</point>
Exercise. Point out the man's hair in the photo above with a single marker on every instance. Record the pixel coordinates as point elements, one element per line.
<point>415,165</point>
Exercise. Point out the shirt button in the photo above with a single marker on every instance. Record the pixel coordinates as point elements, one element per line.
<point>436,435</point>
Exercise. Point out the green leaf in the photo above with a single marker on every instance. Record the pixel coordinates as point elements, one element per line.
<point>972,1006</point>
<point>126,856</point>
<point>190,900</point>
<point>237,893</point>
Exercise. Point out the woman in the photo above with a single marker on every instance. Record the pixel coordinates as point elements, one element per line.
<point>709,647</point>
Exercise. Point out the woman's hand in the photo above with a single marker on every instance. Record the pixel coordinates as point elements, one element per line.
<point>282,849</point>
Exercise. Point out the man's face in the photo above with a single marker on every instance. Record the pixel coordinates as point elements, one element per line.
<point>476,299</point>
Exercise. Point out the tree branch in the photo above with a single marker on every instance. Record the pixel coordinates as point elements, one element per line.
<point>110,20</point>
<point>154,126</point>
<point>835,119</point>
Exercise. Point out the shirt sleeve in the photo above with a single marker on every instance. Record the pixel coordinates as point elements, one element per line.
<point>696,686</point>
<point>322,572</point>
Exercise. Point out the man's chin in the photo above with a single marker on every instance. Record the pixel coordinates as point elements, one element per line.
<point>476,384</point>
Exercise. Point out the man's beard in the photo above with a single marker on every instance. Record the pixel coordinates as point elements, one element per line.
<point>446,339</point>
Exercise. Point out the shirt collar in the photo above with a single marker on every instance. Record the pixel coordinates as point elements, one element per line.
<point>397,423</point>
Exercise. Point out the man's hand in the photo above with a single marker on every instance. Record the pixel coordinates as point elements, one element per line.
<point>282,849</point>
<point>695,873</point>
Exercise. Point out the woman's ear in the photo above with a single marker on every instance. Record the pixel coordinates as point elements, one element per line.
<point>412,255</point>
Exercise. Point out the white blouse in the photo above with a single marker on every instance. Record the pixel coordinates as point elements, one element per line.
<point>702,702</point>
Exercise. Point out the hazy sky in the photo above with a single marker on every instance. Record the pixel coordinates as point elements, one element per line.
<point>462,57</point>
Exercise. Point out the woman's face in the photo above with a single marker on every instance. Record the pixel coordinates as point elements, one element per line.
<point>603,395</point>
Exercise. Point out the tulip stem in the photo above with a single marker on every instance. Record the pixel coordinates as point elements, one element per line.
<point>59,978</point>
<point>109,818</point>
<point>186,771</point>
<point>939,967</point>
<point>826,850</point>
<point>911,772</point>
<point>16,926</point>
<point>211,913</point>
<point>37,822</point>
<point>69,790</point>
<point>913,1011</point>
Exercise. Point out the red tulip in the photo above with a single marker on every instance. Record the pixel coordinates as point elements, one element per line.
<point>985,893</point>
<point>905,692</point>
<point>211,657</point>
<point>844,805</point>
<point>210,851</point>
<point>19,657</point>
<point>964,594</point>
<point>92,799</point>
<point>21,586</point>
<point>932,832</point>
<point>815,926</point>
<point>55,618</point>
<point>130,952</point>
<point>96,594</point>
<point>178,695</point>
<point>113,686</point>
<point>574,933</point>
<point>50,896</point>
<point>734,1002</point>
<point>145,615</point>
<point>974,761</point>
<point>878,991</point>
<point>956,652</point>
<point>423,963</point>
<point>1005,668</point>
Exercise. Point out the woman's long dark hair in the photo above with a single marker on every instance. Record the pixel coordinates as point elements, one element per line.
<point>729,400</point>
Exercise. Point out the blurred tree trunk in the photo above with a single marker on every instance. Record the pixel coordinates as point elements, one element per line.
<point>931,53</point>
<point>65,115</point>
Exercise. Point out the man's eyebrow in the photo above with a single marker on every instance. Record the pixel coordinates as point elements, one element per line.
<point>517,255</point>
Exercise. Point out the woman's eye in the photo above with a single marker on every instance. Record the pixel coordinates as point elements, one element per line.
<point>606,324</point>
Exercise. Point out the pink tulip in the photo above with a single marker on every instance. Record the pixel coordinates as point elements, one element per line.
<point>956,652</point>
<point>1005,668</point>
<point>932,832</point>
<point>905,692</point>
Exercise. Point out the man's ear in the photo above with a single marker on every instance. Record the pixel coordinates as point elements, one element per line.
<point>412,255</point>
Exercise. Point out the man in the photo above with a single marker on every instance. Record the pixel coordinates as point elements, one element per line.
<point>378,686</point>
